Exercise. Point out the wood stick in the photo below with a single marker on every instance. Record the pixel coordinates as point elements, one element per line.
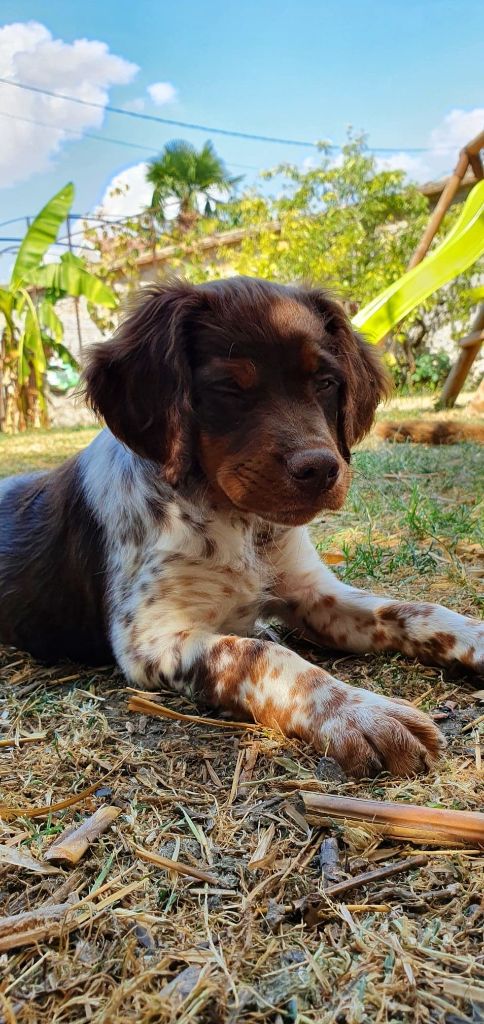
<point>450,191</point>
<point>175,865</point>
<point>54,919</point>
<point>408,864</point>
<point>73,843</point>
<point>140,701</point>
<point>33,926</point>
<point>461,367</point>
<point>16,741</point>
<point>474,338</point>
<point>7,813</point>
<point>472,725</point>
<point>406,821</point>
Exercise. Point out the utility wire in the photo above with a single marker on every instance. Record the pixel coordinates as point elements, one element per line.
<point>81,134</point>
<point>138,115</point>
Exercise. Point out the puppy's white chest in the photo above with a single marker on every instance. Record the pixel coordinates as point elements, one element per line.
<point>234,582</point>
<point>244,595</point>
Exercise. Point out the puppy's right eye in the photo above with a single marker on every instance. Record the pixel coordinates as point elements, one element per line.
<point>227,386</point>
<point>324,383</point>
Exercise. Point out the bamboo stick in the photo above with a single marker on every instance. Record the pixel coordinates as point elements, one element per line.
<point>175,865</point>
<point>404,821</point>
<point>7,813</point>
<point>33,926</point>
<point>17,741</point>
<point>376,875</point>
<point>142,702</point>
<point>73,843</point>
<point>473,725</point>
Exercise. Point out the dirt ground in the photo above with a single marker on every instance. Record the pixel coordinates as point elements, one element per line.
<point>254,934</point>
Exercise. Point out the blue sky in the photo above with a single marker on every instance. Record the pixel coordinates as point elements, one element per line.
<point>409,74</point>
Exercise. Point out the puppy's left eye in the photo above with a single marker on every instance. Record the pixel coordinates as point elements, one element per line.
<point>326,383</point>
<point>227,386</point>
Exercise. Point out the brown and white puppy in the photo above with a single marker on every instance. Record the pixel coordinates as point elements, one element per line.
<point>231,410</point>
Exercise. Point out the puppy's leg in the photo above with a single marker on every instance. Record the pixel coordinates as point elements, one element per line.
<point>364,732</point>
<point>355,620</point>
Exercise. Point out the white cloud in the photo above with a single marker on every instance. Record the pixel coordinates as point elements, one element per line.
<point>162,92</point>
<point>440,153</point>
<point>85,69</point>
<point>128,193</point>
<point>457,128</point>
<point>415,166</point>
<point>444,143</point>
<point>138,104</point>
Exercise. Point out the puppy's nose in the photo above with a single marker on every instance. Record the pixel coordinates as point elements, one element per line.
<point>315,467</point>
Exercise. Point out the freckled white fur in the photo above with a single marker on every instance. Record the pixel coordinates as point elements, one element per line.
<point>185,578</point>
<point>304,579</point>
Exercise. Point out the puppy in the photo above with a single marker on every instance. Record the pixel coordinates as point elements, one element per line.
<point>231,410</point>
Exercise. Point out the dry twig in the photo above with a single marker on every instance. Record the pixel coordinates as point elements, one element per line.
<point>73,843</point>
<point>404,821</point>
<point>175,865</point>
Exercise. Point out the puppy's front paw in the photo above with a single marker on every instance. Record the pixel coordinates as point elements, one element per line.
<point>367,733</point>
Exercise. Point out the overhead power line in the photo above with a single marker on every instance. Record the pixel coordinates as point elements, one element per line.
<point>80,133</point>
<point>192,126</point>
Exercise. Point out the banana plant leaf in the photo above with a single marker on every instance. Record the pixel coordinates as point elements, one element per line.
<point>31,349</point>
<point>61,354</point>
<point>41,234</point>
<point>50,321</point>
<point>7,307</point>
<point>69,276</point>
<point>463,245</point>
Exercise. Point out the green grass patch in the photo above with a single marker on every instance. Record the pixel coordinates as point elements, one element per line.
<point>41,449</point>
<point>413,513</point>
<point>413,518</point>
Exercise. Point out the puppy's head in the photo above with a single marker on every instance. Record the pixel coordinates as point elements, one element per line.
<point>260,388</point>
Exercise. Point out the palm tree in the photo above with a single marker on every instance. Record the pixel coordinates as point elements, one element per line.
<point>183,173</point>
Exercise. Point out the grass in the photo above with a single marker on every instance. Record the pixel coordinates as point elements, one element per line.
<point>41,449</point>
<point>163,948</point>
<point>413,511</point>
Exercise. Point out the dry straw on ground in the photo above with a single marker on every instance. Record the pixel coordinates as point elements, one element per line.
<point>205,899</point>
<point>212,896</point>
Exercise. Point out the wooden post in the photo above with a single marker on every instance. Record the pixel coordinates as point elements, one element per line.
<point>461,367</point>
<point>469,155</point>
<point>450,191</point>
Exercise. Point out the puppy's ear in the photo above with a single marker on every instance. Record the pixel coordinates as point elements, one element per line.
<point>366,382</point>
<point>140,380</point>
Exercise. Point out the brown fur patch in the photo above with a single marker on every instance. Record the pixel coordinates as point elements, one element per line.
<point>52,569</point>
<point>243,371</point>
<point>430,431</point>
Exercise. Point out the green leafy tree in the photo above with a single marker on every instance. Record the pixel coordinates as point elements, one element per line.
<point>184,173</point>
<point>30,329</point>
<point>344,224</point>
